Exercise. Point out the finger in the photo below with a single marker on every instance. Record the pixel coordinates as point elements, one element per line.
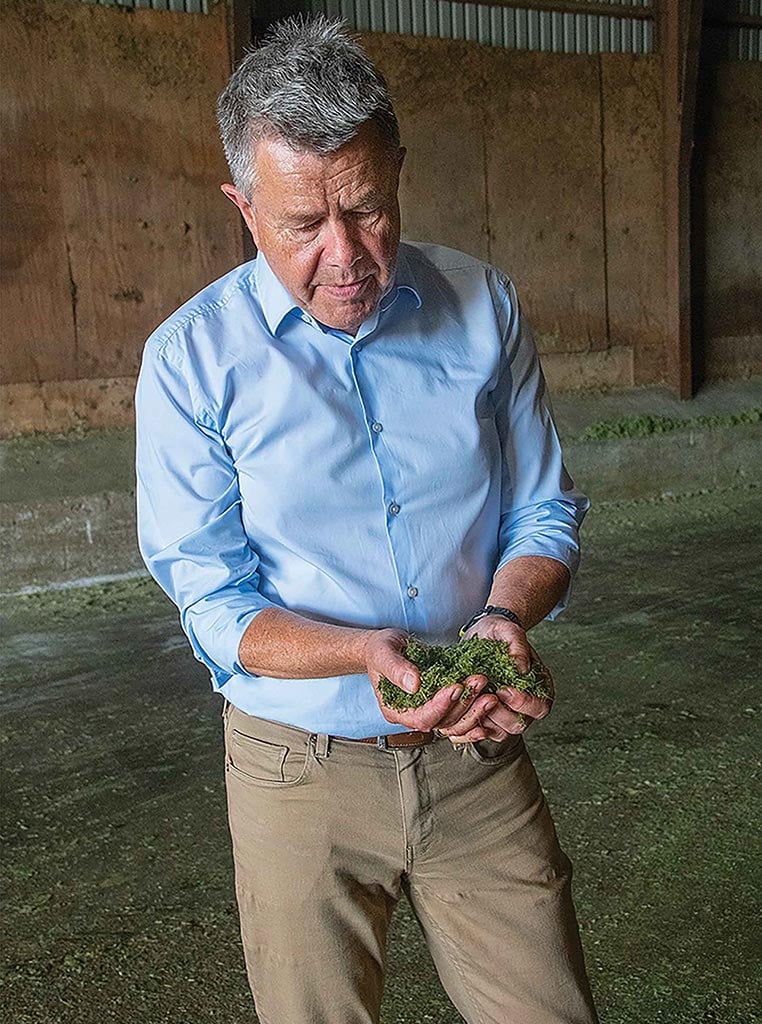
<point>427,715</point>
<point>486,731</point>
<point>397,669</point>
<point>510,722</point>
<point>496,725</point>
<point>473,717</point>
<point>433,711</point>
<point>472,687</point>
<point>525,703</point>
<point>479,733</point>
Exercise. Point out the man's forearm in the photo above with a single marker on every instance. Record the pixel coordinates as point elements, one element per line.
<point>531,586</point>
<point>284,645</point>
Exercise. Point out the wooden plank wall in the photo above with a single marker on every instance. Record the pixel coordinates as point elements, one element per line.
<point>731,196</point>
<point>549,165</point>
<point>113,212</point>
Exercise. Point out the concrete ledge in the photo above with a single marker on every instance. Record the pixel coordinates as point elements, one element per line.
<point>673,463</point>
<point>66,404</point>
<point>64,540</point>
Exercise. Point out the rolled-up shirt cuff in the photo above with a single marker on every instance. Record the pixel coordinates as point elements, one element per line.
<point>215,635</point>
<point>567,554</point>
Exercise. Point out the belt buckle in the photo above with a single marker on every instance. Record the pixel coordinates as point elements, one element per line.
<point>382,743</point>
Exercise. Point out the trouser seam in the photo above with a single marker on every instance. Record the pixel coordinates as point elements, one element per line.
<point>407,851</point>
<point>454,954</point>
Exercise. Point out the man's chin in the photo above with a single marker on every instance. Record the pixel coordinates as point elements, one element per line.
<point>345,316</point>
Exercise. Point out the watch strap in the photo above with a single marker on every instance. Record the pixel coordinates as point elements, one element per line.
<point>491,609</point>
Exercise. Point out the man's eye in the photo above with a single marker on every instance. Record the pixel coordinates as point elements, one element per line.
<point>307,228</point>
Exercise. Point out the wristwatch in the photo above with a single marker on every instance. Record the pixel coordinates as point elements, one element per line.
<point>491,609</point>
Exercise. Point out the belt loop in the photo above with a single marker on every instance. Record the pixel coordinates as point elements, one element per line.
<point>321,745</point>
<point>381,743</point>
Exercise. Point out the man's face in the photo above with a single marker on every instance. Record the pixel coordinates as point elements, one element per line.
<point>329,226</point>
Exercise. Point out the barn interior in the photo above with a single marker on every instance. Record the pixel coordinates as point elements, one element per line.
<point>608,157</point>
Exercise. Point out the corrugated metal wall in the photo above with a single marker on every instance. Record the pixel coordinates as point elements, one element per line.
<point>512,28</point>
<point>521,29</point>
<point>188,6</point>
<point>741,43</point>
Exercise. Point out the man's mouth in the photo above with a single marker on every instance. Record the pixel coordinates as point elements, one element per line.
<point>346,291</point>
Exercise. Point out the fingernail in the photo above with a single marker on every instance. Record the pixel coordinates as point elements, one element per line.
<point>408,682</point>
<point>508,691</point>
<point>490,704</point>
<point>455,695</point>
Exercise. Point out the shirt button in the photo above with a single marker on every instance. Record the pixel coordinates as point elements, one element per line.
<point>358,348</point>
<point>394,508</point>
<point>412,591</point>
<point>376,427</point>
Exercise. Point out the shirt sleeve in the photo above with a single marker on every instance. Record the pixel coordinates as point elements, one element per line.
<point>541,509</point>
<point>190,532</point>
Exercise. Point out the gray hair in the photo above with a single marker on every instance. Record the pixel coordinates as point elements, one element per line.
<point>308,83</point>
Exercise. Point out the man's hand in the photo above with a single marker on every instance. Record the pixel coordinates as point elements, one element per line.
<point>513,711</point>
<point>446,709</point>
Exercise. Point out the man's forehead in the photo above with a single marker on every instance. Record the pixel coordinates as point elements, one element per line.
<point>358,171</point>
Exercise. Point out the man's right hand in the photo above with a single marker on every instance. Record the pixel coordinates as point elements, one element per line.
<point>383,653</point>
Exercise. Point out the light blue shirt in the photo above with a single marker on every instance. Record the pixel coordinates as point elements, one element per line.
<point>373,481</point>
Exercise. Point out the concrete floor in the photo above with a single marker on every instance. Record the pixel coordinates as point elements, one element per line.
<point>121,904</point>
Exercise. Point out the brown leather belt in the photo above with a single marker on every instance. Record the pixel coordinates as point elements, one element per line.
<point>398,739</point>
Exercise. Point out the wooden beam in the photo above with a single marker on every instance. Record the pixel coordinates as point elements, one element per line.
<point>572,7</point>
<point>680,37</point>
<point>239,29</point>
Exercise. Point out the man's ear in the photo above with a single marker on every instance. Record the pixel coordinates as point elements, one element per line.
<point>245,208</point>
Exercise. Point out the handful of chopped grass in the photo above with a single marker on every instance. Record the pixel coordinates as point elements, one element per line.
<point>446,666</point>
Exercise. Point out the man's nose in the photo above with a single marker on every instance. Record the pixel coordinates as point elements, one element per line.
<point>343,248</point>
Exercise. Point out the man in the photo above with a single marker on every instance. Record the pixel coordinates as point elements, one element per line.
<point>344,442</point>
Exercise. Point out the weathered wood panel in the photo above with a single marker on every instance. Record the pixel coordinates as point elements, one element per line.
<point>36,290</point>
<point>504,162</point>
<point>437,94</point>
<point>545,195</point>
<point>732,285</point>
<point>631,89</point>
<point>125,103</point>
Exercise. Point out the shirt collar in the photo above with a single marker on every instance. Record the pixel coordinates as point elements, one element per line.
<point>277,302</point>
<point>404,280</point>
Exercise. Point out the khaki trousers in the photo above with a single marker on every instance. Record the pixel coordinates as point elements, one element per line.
<point>327,833</point>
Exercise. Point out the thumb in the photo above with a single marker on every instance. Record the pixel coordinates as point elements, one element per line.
<point>401,672</point>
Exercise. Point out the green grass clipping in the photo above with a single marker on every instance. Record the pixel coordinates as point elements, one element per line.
<point>446,666</point>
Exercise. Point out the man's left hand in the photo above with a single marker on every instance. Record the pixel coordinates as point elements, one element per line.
<point>515,711</point>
